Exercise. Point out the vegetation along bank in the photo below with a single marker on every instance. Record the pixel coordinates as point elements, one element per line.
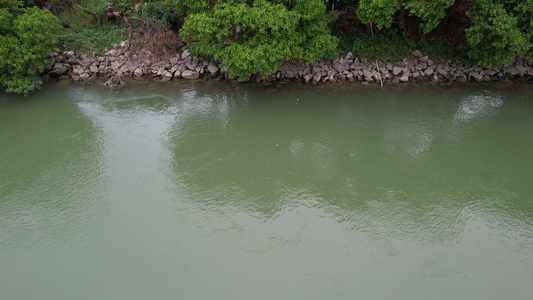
<point>316,41</point>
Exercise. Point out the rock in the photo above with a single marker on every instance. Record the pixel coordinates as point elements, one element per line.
<point>338,66</point>
<point>60,59</point>
<point>93,68</point>
<point>185,54</point>
<point>177,74</point>
<point>224,70</point>
<point>174,60</point>
<point>521,69</point>
<point>429,71</point>
<point>59,69</point>
<point>167,74</point>
<point>424,59</point>
<point>307,78</point>
<point>77,70</point>
<point>404,78</point>
<point>417,54</point>
<point>316,78</point>
<point>69,54</point>
<point>174,69</point>
<point>72,60</point>
<point>512,71</point>
<point>349,55</point>
<point>478,77</point>
<point>462,78</point>
<point>396,71</point>
<point>349,77</point>
<point>188,74</point>
<point>442,71</point>
<point>396,79</point>
<point>138,72</point>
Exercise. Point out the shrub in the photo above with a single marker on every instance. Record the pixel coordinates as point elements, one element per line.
<point>28,35</point>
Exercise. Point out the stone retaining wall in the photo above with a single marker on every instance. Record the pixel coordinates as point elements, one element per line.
<point>420,68</point>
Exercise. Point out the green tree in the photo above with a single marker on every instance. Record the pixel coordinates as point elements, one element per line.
<point>270,32</point>
<point>500,30</point>
<point>378,12</point>
<point>430,13</point>
<point>27,36</point>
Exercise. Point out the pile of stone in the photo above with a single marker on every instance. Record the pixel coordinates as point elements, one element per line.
<point>420,68</point>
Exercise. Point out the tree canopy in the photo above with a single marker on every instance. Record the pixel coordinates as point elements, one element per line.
<point>27,36</point>
<point>267,32</point>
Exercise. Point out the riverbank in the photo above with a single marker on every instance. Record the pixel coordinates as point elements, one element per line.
<point>117,65</point>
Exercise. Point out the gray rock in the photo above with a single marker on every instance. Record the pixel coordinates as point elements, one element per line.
<point>72,60</point>
<point>174,69</point>
<point>188,74</point>
<point>442,71</point>
<point>512,71</point>
<point>429,71</point>
<point>93,68</point>
<point>185,54</point>
<point>224,70</point>
<point>59,69</point>
<point>167,74</point>
<point>478,77</point>
<point>177,74</point>
<point>396,71</point>
<point>349,55</point>
<point>77,70</point>
<point>521,69</point>
<point>69,54</point>
<point>138,72</point>
<point>316,78</point>
<point>174,60</point>
<point>349,77</point>
<point>60,59</point>
<point>338,66</point>
<point>424,59</point>
<point>307,77</point>
<point>417,54</point>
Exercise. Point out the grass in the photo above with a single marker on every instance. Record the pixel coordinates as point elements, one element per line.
<point>392,45</point>
<point>87,32</point>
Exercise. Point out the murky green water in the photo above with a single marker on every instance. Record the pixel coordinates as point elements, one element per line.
<point>217,191</point>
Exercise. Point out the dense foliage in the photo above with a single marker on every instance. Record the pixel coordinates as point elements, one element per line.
<point>254,38</point>
<point>257,35</point>
<point>27,36</point>
<point>500,30</point>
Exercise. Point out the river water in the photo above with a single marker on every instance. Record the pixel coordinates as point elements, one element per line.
<point>224,191</point>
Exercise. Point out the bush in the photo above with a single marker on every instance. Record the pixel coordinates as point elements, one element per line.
<point>498,35</point>
<point>270,33</point>
<point>28,35</point>
<point>390,45</point>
